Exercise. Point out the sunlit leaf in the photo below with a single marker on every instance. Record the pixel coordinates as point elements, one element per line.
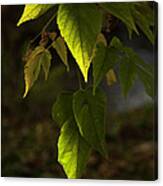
<point>33,11</point>
<point>73,150</point>
<point>79,25</point>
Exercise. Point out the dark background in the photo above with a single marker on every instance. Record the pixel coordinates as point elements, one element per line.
<point>29,136</point>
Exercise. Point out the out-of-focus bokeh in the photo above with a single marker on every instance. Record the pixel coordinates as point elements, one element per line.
<point>29,136</point>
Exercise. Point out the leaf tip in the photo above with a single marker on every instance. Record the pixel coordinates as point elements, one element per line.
<point>25,94</point>
<point>18,23</point>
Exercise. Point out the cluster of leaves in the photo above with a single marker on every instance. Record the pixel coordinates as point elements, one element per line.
<point>81,114</point>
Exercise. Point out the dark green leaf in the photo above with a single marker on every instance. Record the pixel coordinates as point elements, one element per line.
<point>122,11</point>
<point>144,18</point>
<point>133,66</point>
<point>144,72</point>
<point>79,25</point>
<point>105,59</point>
<point>62,108</point>
<point>89,112</point>
<point>127,74</point>
<point>145,8</point>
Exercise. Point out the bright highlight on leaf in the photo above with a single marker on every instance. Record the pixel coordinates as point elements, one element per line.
<point>33,11</point>
<point>79,25</point>
<point>73,150</point>
<point>39,57</point>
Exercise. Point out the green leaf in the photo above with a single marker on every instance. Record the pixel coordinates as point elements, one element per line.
<point>33,11</point>
<point>105,59</point>
<point>39,57</point>
<point>61,49</point>
<point>147,79</point>
<point>122,11</point>
<point>62,109</point>
<point>116,43</point>
<point>73,150</point>
<point>89,112</point>
<point>144,72</point>
<point>142,20</point>
<point>127,74</point>
<point>132,65</point>
<point>79,25</point>
<point>147,10</point>
<point>98,65</point>
<point>45,60</point>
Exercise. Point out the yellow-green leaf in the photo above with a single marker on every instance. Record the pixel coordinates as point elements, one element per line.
<point>39,57</point>
<point>111,77</point>
<point>73,150</point>
<point>33,11</point>
<point>101,39</point>
<point>61,49</point>
<point>79,25</point>
<point>45,61</point>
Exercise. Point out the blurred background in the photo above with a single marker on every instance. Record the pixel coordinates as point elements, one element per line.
<point>29,136</point>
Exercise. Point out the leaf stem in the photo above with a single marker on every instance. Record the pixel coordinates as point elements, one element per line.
<point>44,28</point>
<point>51,44</point>
<point>48,23</point>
